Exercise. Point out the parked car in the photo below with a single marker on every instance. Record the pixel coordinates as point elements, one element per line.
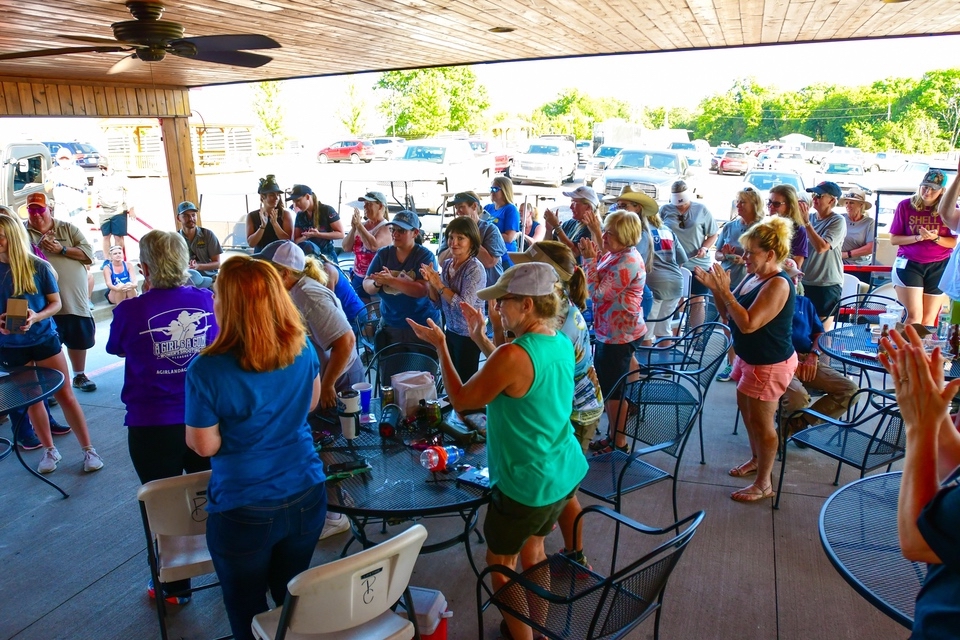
<point>647,170</point>
<point>450,165</point>
<point>783,161</point>
<point>715,158</point>
<point>846,174</point>
<point>355,151</point>
<point>733,161</point>
<point>502,159</point>
<point>547,160</point>
<point>584,150</point>
<point>763,181</point>
<point>85,155</point>
<point>885,161</point>
<point>604,154</point>
<point>387,147</point>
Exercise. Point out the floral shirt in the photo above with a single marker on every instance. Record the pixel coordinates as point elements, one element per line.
<point>616,282</point>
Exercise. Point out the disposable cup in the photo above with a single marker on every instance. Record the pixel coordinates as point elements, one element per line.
<point>365,389</point>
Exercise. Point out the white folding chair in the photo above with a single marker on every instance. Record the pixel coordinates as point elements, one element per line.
<point>350,598</point>
<point>175,523</point>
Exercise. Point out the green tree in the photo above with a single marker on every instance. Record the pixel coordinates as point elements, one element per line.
<point>352,111</point>
<point>938,94</point>
<point>425,102</point>
<point>268,105</point>
<point>574,112</point>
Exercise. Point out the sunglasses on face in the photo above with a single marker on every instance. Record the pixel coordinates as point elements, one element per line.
<point>775,204</point>
<point>494,189</point>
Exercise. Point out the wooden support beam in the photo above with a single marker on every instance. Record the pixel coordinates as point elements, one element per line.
<point>178,150</point>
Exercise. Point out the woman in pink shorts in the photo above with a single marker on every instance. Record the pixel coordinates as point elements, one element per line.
<point>760,314</point>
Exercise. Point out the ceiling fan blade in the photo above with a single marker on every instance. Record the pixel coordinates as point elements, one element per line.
<point>235,58</point>
<point>94,39</point>
<point>41,53</point>
<point>129,63</point>
<point>230,42</point>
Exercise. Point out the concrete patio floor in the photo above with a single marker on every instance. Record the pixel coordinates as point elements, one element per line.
<point>77,568</point>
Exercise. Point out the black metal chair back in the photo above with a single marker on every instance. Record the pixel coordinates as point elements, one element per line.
<point>580,603</point>
<point>366,330</point>
<point>871,436</point>
<point>399,358</point>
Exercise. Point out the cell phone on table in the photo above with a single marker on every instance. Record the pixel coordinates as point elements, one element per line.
<point>349,465</point>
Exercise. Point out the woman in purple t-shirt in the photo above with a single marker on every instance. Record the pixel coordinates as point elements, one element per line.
<point>924,246</point>
<point>783,202</point>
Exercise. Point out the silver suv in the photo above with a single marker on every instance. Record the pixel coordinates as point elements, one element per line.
<point>648,170</point>
<point>598,162</point>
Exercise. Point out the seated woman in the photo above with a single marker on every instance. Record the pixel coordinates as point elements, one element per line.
<point>120,279</point>
<point>247,399</point>
<point>928,514</point>
<point>533,229</point>
<point>535,461</point>
<point>395,275</point>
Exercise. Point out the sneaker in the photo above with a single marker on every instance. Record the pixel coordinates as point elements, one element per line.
<point>92,460</point>
<point>58,429</point>
<point>723,376</point>
<point>48,463</point>
<point>333,527</point>
<point>27,438</point>
<point>180,600</point>
<point>84,383</point>
<point>577,557</point>
<point>52,402</point>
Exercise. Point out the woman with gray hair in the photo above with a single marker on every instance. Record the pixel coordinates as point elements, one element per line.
<point>159,333</point>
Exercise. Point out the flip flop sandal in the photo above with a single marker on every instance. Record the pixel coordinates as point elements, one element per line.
<point>748,468</point>
<point>746,495</point>
<point>601,444</point>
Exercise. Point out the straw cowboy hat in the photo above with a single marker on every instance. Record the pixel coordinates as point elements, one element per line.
<point>855,195</point>
<point>628,193</point>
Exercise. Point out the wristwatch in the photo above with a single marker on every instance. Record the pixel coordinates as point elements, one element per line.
<point>63,250</point>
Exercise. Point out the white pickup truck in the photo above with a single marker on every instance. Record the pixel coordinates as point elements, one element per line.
<point>24,167</point>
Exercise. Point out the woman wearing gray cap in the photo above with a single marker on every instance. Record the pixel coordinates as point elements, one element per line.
<point>271,222</point>
<point>924,244</point>
<point>317,225</point>
<point>366,236</point>
<point>535,461</point>
<point>395,275</point>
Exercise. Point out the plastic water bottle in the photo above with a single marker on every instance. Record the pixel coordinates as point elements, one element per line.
<point>943,323</point>
<point>440,458</point>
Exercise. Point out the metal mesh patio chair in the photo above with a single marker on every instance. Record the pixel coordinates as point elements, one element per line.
<point>873,435</point>
<point>366,330</point>
<point>564,600</point>
<point>661,406</point>
<point>401,357</point>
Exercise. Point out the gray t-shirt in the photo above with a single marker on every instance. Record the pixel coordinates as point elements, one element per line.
<point>663,275</point>
<point>859,233</point>
<point>323,316</point>
<point>824,269</point>
<point>698,225</point>
<point>492,241</point>
<point>730,234</point>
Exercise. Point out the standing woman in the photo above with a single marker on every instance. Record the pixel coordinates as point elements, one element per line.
<point>662,256</point>
<point>247,399</point>
<point>395,275</point>
<point>784,202</point>
<point>366,236</point>
<point>170,323</point>
<point>858,244</point>
<point>615,280</point>
<point>120,279</point>
<point>527,387</point>
<point>502,212</point>
<point>462,276</point>
<point>317,225</point>
<point>36,343</point>
<point>924,246</point>
<point>271,222</point>
<point>760,315</point>
<point>533,229</point>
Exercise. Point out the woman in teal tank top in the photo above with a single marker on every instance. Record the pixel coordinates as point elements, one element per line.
<point>536,463</point>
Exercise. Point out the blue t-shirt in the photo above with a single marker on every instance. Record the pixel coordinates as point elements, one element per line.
<point>347,295</point>
<point>267,450</point>
<point>806,323</point>
<point>117,278</point>
<point>937,612</point>
<point>396,307</point>
<point>507,218</point>
<point>46,283</point>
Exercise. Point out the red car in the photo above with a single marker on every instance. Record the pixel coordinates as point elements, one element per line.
<point>733,162</point>
<point>353,150</point>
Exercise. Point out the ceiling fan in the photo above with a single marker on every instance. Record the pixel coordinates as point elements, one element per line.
<point>149,39</point>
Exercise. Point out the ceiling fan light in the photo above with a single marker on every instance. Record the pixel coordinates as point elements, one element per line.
<point>501,30</point>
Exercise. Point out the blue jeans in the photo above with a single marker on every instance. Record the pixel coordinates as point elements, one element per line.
<point>263,546</point>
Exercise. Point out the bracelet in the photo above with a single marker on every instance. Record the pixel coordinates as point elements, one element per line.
<point>917,238</point>
<point>441,289</point>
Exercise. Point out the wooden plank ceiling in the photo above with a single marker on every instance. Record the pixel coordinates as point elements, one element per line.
<point>323,37</point>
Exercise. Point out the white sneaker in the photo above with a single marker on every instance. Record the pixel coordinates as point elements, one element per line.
<point>48,463</point>
<point>92,460</point>
<point>332,527</point>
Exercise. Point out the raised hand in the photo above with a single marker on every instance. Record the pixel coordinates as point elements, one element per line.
<point>476,322</point>
<point>430,333</point>
<point>588,248</point>
<point>551,218</point>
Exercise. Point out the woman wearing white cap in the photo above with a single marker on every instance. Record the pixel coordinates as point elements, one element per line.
<point>367,235</point>
<point>535,461</point>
